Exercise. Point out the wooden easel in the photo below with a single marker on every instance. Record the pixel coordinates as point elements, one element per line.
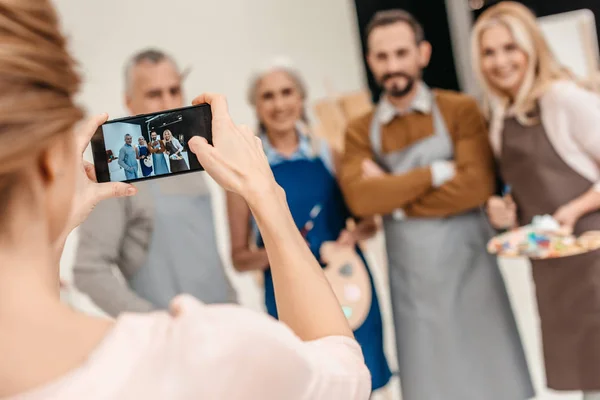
<point>335,111</point>
<point>590,46</point>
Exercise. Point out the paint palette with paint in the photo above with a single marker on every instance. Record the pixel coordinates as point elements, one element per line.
<point>349,279</point>
<point>542,239</point>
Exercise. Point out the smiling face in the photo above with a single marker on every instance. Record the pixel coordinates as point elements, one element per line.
<point>396,59</point>
<point>503,63</point>
<point>279,102</point>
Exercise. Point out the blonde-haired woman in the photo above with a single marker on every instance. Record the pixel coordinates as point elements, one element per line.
<point>544,130</point>
<point>50,351</point>
<point>174,151</point>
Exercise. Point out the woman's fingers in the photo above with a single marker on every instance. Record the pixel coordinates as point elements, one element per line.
<point>246,130</point>
<point>87,130</point>
<point>497,204</point>
<point>90,171</point>
<point>236,160</point>
<point>198,145</point>
<point>221,170</point>
<point>109,190</point>
<point>218,105</point>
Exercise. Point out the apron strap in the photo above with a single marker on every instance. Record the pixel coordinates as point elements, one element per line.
<point>375,136</point>
<point>439,127</point>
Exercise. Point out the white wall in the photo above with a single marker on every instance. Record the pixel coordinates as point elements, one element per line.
<point>220,40</point>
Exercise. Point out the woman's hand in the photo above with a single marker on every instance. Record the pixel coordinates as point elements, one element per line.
<point>88,192</point>
<point>366,229</point>
<point>236,160</point>
<point>502,212</point>
<point>347,238</point>
<point>238,163</point>
<point>570,213</point>
<point>567,216</point>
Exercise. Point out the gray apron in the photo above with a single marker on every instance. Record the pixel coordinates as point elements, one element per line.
<point>183,255</point>
<point>456,335</point>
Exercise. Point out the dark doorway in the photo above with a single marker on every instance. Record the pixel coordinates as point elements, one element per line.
<point>432,14</point>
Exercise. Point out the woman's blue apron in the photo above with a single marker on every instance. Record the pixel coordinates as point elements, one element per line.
<point>308,182</point>
<point>146,170</point>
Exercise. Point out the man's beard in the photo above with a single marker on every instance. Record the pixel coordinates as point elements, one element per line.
<point>396,91</point>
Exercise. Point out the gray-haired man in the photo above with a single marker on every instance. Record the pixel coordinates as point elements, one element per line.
<point>128,158</point>
<point>162,240</point>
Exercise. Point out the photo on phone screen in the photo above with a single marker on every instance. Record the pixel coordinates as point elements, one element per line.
<point>150,146</point>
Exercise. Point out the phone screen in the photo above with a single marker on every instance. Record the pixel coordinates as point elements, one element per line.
<point>150,146</point>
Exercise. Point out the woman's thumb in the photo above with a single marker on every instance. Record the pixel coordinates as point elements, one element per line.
<point>198,144</point>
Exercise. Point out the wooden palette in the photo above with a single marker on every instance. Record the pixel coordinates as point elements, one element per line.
<point>538,244</point>
<point>349,279</point>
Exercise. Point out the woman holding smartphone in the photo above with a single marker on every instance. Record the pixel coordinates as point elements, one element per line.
<point>193,351</point>
<point>544,131</point>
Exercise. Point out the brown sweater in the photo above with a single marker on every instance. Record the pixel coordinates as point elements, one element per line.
<point>413,191</point>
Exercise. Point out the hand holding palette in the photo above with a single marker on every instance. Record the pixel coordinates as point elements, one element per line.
<point>542,239</point>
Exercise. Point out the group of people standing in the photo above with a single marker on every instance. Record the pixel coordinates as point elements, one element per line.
<point>151,159</point>
<point>424,161</point>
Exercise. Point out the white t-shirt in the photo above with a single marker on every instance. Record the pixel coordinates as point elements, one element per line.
<point>216,352</point>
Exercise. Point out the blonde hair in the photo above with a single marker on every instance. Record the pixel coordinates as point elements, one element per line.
<point>38,81</point>
<point>542,67</point>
